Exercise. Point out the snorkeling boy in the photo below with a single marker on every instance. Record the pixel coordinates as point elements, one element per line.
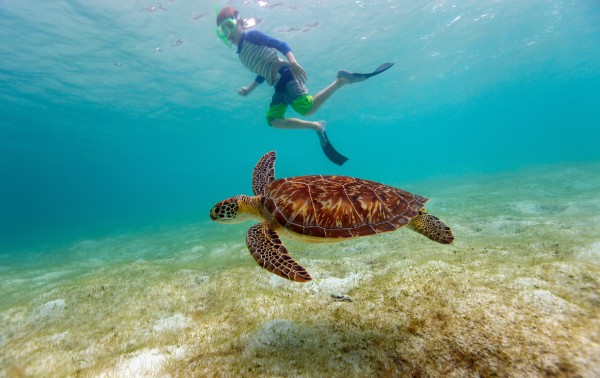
<point>258,52</point>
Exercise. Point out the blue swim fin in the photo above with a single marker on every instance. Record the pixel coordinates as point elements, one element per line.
<point>358,77</point>
<point>331,152</point>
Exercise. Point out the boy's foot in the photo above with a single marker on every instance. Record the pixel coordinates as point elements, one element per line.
<point>351,77</point>
<point>321,133</point>
<point>358,77</point>
<point>328,149</point>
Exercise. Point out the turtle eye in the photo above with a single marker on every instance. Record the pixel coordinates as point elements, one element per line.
<point>214,213</point>
<point>220,211</point>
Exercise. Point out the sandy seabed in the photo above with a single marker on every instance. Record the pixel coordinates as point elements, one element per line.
<point>517,294</point>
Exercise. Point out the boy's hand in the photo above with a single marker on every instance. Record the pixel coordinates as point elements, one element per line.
<point>298,72</point>
<point>243,91</point>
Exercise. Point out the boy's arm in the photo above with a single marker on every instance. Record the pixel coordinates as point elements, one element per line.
<point>260,38</point>
<point>297,69</point>
<point>245,91</point>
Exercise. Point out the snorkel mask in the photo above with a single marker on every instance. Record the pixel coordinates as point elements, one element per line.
<point>225,29</point>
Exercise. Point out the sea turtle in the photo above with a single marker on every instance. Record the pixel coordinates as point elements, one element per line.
<point>320,208</point>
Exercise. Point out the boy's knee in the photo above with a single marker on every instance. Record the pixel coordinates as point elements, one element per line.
<point>304,104</point>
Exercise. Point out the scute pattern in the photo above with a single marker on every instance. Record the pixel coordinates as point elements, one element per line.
<point>338,206</point>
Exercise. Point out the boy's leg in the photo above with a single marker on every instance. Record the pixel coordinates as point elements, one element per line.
<point>301,104</point>
<point>320,98</point>
<point>295,123</point>
<point>276,118</point>
<point>319,127</point>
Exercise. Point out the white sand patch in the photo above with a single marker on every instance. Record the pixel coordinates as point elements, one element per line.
<point>566,268</point>
<point>280,335</point>
<point>193,277</point>
<point>507,225</point>
<point>94,261</point>
<point>358,247</point>
<point>221,250</point>
<point>396,265</point>
<point>574,208</point>
<point>49,310</point>
<point>414,276</point>
<point>227,249</point>
<point>528,283</point>
<point>590,252</point>
<point>276,332</point>
<point>146,363</point>
<point>176,352</point>
<point>48,277</point>
<point>500,225</point>
<point>58,338</point>
<point>11,283</point>
<point>335,285</point>
<point>197,249</point>
<point>279,282</point>
<point>172,323</point>
<point>192,254</point>
<point>527,207</point>
<point>438,266</point>
<point>547,302</point>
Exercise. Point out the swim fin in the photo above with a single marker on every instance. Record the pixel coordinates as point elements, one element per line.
<point>358,77</point>
<point>331,152</point>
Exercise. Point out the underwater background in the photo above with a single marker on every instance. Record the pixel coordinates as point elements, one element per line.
<point>120,127</point>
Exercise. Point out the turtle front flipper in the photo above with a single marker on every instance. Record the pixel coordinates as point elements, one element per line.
<point>270,253</point>
<point>430,226</point>
<point>264,173</point>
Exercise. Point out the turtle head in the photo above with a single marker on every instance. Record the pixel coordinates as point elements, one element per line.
<point>232,210</point>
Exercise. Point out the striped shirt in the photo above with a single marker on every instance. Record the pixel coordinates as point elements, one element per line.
<point>258,53</point>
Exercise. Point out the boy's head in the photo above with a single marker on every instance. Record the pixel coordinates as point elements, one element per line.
<point>229,26</point>
<point>225,13</point>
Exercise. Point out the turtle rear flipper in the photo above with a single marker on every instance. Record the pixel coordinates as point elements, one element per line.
<point>270,253</point>
<point>430,226</point>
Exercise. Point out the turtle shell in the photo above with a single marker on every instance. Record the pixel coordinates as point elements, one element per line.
<point>339,206</point>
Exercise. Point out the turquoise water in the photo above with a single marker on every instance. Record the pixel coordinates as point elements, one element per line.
<point>120,127</point>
